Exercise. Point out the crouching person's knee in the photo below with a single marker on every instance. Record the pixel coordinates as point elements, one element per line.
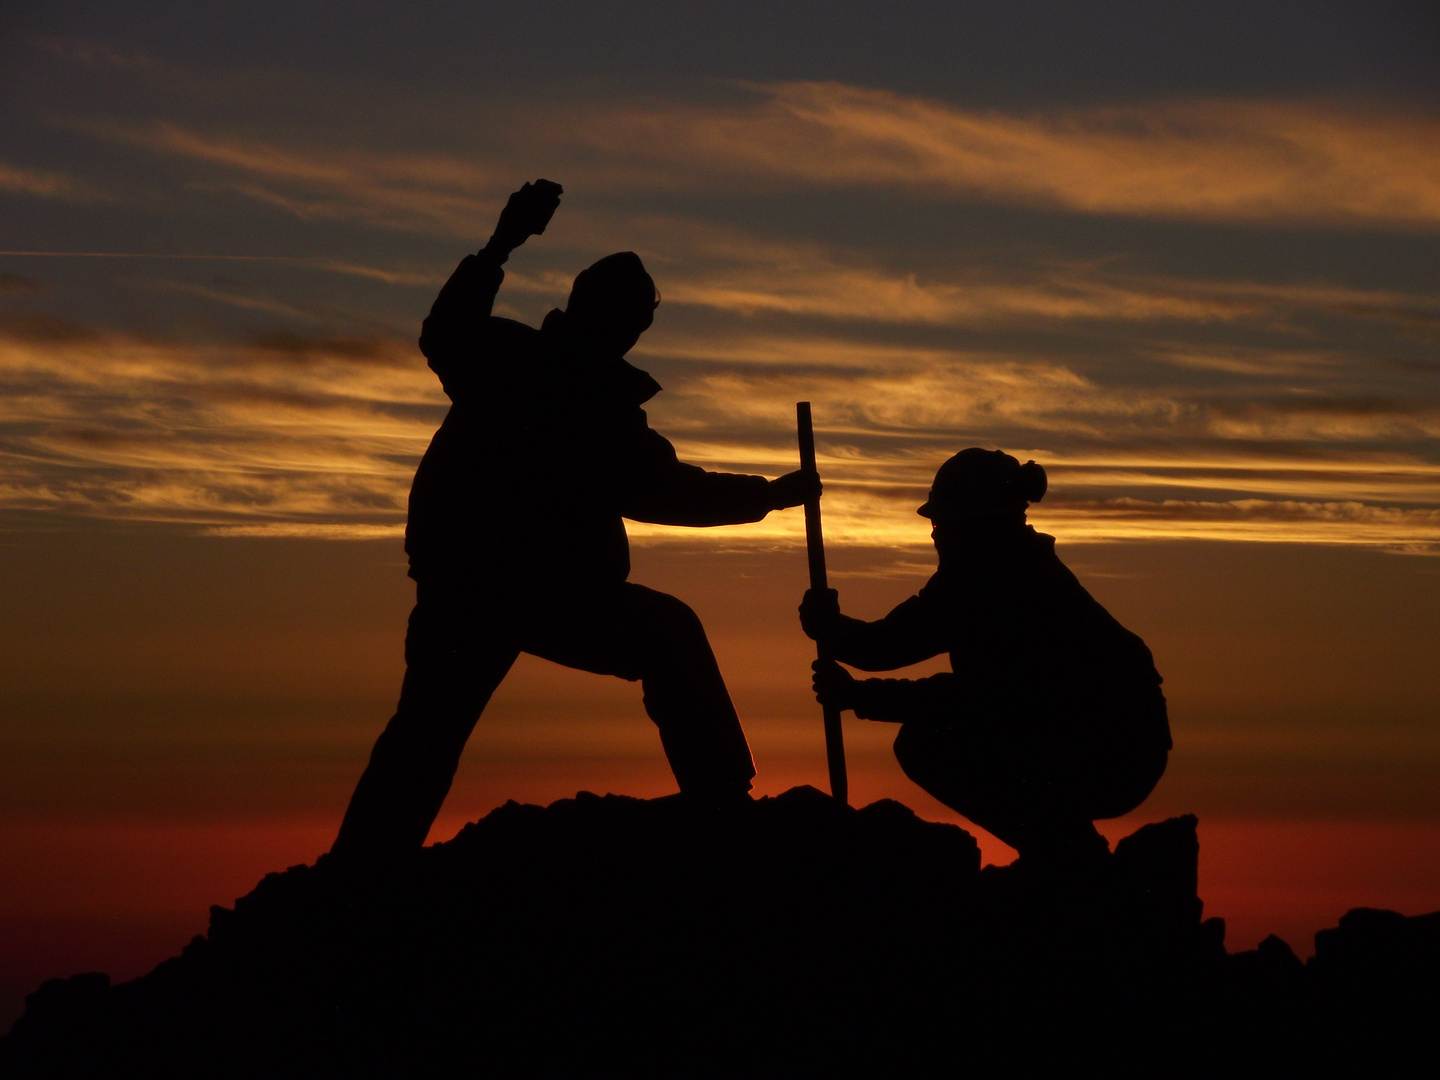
<point>908,749</point>
<point>949,767</point>
<point>924,755</point>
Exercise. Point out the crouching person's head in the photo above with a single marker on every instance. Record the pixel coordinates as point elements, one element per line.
<point>978,488</point>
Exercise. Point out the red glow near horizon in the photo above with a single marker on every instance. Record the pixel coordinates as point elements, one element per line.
<point>125,897</point>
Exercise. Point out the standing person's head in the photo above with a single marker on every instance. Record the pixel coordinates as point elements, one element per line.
<point>612,303</point>
<point>980,487</point>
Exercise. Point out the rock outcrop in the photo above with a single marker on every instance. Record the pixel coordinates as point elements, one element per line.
<point>614,936</point>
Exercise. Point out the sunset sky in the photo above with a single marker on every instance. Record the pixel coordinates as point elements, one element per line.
<point>1184,256</point>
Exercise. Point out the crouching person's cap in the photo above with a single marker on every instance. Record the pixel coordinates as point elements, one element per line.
<point>978,483</point>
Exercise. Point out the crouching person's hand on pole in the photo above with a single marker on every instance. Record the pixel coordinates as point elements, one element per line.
<point>835,688</point>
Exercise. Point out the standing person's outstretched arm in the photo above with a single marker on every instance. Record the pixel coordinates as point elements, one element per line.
<point>454,337</point>
<point>663,490</point>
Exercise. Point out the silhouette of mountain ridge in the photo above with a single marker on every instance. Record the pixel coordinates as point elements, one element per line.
<point>606,935</point>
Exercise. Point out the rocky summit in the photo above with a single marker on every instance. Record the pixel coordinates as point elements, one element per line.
<point>606,936</point>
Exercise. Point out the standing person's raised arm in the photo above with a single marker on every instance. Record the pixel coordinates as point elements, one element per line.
<point>455,330</point>
<point>526,214</point>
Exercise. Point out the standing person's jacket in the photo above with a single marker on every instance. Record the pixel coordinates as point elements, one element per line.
<point>544,451</point>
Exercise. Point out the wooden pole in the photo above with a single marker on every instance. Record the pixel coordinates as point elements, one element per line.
<point>815,548</point>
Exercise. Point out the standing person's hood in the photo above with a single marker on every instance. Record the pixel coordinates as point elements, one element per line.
<point>613,377</point>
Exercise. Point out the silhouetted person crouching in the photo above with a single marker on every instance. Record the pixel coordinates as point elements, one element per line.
<point>1052,715</point>
<point>516,542</point>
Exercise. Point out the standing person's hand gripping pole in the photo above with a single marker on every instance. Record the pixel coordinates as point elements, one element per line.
<point>815,547</point>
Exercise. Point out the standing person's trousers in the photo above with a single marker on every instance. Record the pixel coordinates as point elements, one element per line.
<point>460,645</point>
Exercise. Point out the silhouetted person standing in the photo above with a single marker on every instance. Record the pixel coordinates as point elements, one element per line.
<point>1052,715</point>
<point>516,542</point>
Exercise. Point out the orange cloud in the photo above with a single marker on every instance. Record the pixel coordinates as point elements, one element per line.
<point>1265,162</point>
<point>288,434</point>
<point>15,180</point>
<point>425,192</point>
<point>1211,160</point>
<point>293,434</point>
<point>1276,521</point>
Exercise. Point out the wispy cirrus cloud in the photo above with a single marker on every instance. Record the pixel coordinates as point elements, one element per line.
<point>429,193</point>
<point>1407,530</point>
<point>1210,160</point>
<point>318,434</point>
<point>743,274</point>
<point>45,184</point>
<point>891,524</point>
<point>888,415</point>
<point>90,53</point>
<point>391,275</point>
<point>285,432</point>
<point>891,388</point>
<point>1253,162</point>
<point>1210,403</point>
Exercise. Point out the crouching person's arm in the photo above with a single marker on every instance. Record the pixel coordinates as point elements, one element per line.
<point>908,635</point>
<point>895,701</point>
